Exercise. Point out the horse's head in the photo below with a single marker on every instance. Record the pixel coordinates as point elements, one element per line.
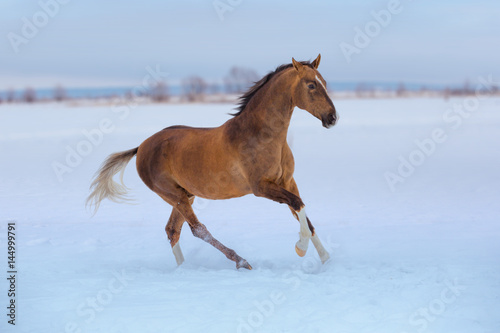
<point>310,93</point>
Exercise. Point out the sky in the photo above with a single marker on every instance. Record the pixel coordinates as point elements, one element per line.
<point>95,43</point>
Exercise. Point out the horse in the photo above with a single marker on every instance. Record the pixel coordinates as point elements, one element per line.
<point>248,154</point>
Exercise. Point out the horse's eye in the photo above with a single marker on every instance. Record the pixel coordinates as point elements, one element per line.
<point>311,86</point>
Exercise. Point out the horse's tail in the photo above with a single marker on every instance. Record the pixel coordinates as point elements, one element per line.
<point>103,186</point>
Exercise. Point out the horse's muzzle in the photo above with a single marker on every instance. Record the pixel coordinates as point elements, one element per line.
<point>329,120</point>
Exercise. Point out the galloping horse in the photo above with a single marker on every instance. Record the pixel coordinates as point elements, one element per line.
<point>247,154</point>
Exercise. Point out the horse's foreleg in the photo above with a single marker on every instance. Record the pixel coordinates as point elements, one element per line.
<point>304,234</point>
<point>279,194</point>
<point>285,195</point>
<point>306,223</point>
<point>322,252</point>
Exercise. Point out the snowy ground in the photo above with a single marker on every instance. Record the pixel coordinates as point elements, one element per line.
<point>422,255</point>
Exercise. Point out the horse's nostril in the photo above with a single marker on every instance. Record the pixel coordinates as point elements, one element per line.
<point>329,120</point>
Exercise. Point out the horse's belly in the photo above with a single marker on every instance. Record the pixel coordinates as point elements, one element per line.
<point>209,173</point>
<point>216,184</point>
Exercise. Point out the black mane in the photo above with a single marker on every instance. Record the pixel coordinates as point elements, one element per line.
<point>246,97</point>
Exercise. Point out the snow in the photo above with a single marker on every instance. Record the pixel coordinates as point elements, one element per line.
<point>422,256</point>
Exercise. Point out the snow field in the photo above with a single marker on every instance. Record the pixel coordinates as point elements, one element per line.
<point>420,255</point>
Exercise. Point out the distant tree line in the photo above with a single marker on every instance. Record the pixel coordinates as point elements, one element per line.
<point>193,89</point>
<point>365,90</point>
<point>238,80</point>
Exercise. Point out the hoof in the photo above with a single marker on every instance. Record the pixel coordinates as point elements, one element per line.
<point>243,264</point>
<point>301,246</point>
<point>179,258</point>
<point>324,257</point>
<point>179,261</point>
<point>299,251</point>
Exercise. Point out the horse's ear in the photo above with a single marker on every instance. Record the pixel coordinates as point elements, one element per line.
<point>297,65</point>
<point>316,61</point>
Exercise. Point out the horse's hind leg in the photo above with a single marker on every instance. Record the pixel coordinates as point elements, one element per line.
<point>173,230</point>
<point>199,230</point>
<point>182,204</point>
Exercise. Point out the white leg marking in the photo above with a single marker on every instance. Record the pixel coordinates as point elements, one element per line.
<point>176,249</point>
<point>304,234</point>
<point>323,254</point>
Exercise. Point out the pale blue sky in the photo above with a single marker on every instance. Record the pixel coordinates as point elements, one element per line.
<point>89,43</point>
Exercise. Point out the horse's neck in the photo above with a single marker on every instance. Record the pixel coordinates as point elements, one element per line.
<point>269,112</point>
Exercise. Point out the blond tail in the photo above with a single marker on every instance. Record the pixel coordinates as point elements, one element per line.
<point>103,186</point>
